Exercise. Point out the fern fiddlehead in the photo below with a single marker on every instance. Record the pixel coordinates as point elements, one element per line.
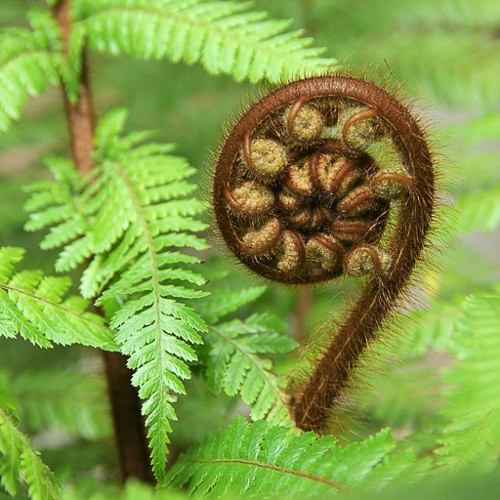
<point>303,191</point>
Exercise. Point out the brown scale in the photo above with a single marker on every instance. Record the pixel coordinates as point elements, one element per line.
<point>290,201</point>
<point>324,252</point>
<point>299,179</point>
<point>263,237</point>
<point>335,175</point>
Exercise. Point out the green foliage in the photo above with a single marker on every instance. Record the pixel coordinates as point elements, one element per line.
<point>136,220</point>
<point>226,37</point>
<point>133,490</point>
<point>435,56</point>
<point>56,205</point>
<point>258,459</point>
<point>234,361</point>
<point>481,14</point>
<point>472,435</point>
<point>478,203</point>
<point>33,306</point>
<point>19,462</point>
<point>29,62</point>
<point>49,402</point>
<point>480,211</point>
<point>406,394</point>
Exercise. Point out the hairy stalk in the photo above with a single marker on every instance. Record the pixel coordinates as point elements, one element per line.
<point>303,191</point>
<point>125,403</point>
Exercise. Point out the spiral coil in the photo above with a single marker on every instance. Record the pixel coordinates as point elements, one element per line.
<point>303,200</point>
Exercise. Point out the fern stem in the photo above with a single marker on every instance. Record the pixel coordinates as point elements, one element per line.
<point>125,403</point>
<point>126,410</point>
<point>379,298</point>
<point>254,463</point>
<point>79,114</point>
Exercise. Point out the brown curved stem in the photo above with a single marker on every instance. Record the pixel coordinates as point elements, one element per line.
<point>313,405</point>
<point>125,402</point>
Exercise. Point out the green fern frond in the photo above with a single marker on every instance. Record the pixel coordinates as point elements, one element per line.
<point>66,400</point>
<point>30,60</point>
<point>130,218</point>
<point>407,394</point>
<point>226,37</point>
<point>138,218</point>
<point>131,490</point>
<point>234,357</point>
<point>481,171</point>
<point>56,205</point>
<point>472,436</point>
<point>259,460</point>
<point>34,306</point>
<point>431,328</point>
<point>20,463</point>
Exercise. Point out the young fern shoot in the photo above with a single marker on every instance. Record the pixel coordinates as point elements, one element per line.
<point>303,194</point>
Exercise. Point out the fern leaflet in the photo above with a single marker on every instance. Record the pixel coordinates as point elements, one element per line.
<point>33,306</point>
<point>486,127</point>
<point>47,401</point>
<point>129,218</point>
<point>57,205</point>
<point>226,37</point>
<point>482,14</point>
<point>19,462</point>
<point>223,302</point>
<point>480,211</point>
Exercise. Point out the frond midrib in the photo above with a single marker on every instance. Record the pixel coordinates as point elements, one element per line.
<point>152,253</point>
<point>284,470</point>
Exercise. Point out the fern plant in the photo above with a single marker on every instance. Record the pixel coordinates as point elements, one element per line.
<point>195,359</point>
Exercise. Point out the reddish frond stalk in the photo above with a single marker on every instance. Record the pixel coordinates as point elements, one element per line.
<point>80,115</point>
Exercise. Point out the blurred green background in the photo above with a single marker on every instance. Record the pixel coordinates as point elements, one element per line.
<point>445,54</point>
